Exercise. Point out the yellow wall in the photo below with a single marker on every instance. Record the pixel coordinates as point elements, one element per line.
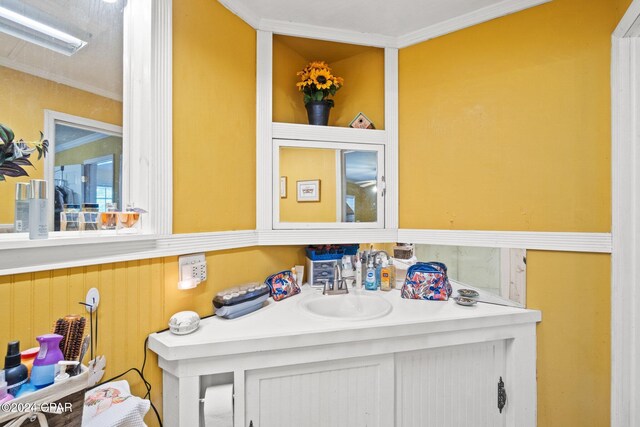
<point>136,299</point>
<point>302,164</point>
<point>513,119</point>
<point>288,106</point>
<point>214,98</point>
<point>24,99</point>
<point>363,88</point>
<point>361,67</point>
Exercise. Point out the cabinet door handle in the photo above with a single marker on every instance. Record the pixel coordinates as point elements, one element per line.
<point>502,395</point>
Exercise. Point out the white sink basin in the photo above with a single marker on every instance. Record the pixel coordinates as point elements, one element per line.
<point>353,306</point>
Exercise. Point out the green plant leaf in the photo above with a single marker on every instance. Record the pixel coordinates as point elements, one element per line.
<point>318,96</point>
<point>6,134</point>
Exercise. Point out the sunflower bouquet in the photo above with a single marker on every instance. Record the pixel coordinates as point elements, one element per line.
<point>317,83</point>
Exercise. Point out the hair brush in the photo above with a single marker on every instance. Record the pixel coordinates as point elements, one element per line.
<point>72,330</point>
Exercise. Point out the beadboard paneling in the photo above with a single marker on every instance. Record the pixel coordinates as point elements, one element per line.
<point>441,387</point>
<point>132,306</point>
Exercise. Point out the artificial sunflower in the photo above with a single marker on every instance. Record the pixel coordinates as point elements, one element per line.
<point>317,82</point>
<point>318,65</point>
<point>322,78</point>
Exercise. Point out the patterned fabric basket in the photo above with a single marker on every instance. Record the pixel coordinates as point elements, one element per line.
<point>428,281</point>
<point>282,285</point>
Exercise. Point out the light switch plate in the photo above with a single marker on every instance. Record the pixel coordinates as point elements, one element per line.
<point>195,264</point>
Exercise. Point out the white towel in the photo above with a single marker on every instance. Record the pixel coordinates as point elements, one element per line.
<point>112,405</point>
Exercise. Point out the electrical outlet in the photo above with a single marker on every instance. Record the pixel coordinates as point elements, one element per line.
<point>193,266</point>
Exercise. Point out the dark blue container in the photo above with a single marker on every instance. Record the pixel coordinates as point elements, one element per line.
<point>318,112</point>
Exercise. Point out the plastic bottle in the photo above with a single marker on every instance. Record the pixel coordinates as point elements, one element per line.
<point>21,218</point>
<point>61,370</point>
<point>28,356</point>
<point>26,389</point>
<point>15,372</point>
<point>44,366</point>
<point>385,276</point>
<point>38,210</point>
<point>392,273</point>
<point>358,273</point>
<point>370,281</point>
<point>4,396</point>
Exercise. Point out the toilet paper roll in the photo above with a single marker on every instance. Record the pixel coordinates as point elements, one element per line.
<point>218,406</point>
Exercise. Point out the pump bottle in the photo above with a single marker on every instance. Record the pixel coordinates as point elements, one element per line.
<point>15,372</point>
<point>370,281</point>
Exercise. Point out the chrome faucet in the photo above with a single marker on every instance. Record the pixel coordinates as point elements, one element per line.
<point>339,285</point>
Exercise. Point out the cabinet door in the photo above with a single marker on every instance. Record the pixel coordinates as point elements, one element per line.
<point>451,387</point>
<point>342,393</point>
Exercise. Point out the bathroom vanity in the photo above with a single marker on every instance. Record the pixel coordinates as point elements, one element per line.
<point>424,363</point>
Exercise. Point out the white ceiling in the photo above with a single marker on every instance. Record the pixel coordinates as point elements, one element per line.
<point>396,23</point>
<point>96,68</point>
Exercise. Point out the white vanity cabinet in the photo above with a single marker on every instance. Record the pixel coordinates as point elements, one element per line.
<point>424,364</point>
<point>342,393</point>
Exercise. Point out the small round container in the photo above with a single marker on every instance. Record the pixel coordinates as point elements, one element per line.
<point>465,301</point>
<point>468,293</point>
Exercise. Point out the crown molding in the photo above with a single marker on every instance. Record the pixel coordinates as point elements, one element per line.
<point>242,12</point>
<point>503,8</point>
<point>326,33</point>
<point>479,16</point>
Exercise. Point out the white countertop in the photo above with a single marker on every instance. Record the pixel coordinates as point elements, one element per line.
<point>283,324</point>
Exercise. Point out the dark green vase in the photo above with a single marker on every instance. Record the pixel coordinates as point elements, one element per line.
<point>318,112</point>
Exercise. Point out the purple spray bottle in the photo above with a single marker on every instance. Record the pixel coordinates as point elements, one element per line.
<point>44,365</point>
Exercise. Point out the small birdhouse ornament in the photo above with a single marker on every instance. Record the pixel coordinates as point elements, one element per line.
<point>361,122</point>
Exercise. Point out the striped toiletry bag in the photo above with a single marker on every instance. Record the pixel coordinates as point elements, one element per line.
<point>428,281</point>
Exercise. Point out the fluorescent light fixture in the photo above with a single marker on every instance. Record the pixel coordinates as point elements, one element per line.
<point>108,162</point>
<point>36,32</point>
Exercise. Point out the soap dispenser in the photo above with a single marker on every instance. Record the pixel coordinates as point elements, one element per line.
<point>370,280</point>
<point>385,276</point>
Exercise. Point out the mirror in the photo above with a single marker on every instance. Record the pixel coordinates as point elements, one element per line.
<point>497,271</point>
<point>61,67</point>
<point>319,185</point>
